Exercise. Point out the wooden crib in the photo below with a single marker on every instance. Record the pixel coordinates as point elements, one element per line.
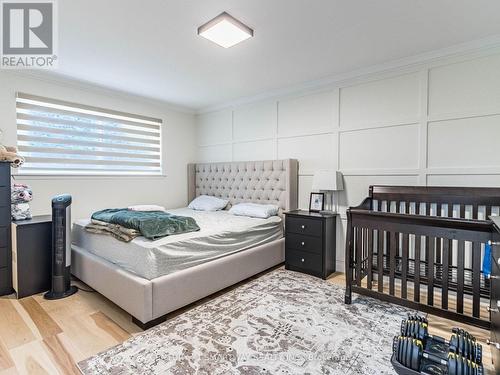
<point>422,247</point>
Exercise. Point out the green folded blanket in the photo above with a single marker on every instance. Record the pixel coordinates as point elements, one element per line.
<point>151,224</point>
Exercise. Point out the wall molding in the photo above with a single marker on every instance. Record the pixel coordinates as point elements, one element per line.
<point>67,81</point>
<point>453,54</point>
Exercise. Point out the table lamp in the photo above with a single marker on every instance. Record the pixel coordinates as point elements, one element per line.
<point>328,181</point>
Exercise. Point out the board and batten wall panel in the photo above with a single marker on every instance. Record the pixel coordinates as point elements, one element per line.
<point>215,153</point>
<point>380,148</point>
<point>474,137</point>
<point>215,128</point>
<point>310,114</point>
<point>313,151</point>
<point>255,122</point>
<point>486,180</point>
<point>469,87</point>
<point>256,150</point>
<point>435,124</point>
<point>381,103</point>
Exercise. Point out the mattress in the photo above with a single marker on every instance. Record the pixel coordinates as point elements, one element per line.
<point>221,234</point>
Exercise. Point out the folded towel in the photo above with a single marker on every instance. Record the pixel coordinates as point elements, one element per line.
<point>146,207</point>
<point>115,230</point>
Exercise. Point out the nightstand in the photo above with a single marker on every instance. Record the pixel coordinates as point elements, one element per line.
<point>310,242</point>
<point>32,255</point>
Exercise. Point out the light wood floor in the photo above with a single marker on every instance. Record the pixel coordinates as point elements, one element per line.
<point>49,337</point>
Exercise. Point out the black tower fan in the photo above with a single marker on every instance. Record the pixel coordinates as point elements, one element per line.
<point>61,248</point>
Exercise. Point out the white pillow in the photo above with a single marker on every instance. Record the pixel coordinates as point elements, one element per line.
<point>262,211</point>
<point>207,203</point>
<point>146,207</point>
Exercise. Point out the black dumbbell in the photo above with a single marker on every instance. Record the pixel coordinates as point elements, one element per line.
<point>465,344</point>
<point>461,342</point>
<point>458,365</point>
<point>415,326</point>
<point>409,352</point>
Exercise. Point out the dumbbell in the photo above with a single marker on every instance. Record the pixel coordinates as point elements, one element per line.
<point>415,326</point>
<point>409,352</point>
<point>458,365</point>
<point>461,342</point>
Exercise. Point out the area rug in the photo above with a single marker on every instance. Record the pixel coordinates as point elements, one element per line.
<point>281,323</point>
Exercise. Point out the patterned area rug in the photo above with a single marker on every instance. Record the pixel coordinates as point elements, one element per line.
<point>282,323</point>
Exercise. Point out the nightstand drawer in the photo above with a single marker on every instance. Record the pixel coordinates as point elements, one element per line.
<point>304,243</point>
<point>310,227</point>
<point>304,260</point>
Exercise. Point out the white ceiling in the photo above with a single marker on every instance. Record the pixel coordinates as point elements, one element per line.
<point>150,48</point>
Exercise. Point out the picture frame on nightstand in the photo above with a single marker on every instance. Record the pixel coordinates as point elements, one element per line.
<point>317,202</point>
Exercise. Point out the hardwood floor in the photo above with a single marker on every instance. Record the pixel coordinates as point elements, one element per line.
<point>49,337</point>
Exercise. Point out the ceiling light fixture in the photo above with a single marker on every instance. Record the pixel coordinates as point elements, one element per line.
<point>225,30</point>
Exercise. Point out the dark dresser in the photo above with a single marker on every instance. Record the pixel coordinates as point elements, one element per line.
<point>5,217</point>
<point>310,242</point>
<point>31,255</point>
<point>495,296</point>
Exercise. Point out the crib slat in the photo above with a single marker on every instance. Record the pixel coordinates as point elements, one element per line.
<point>438,209</point>
<point>475,211</point>
<point>446,272</point>
<point>380,260</point>
<point>488,212</point>
<point>370,259</point>
<point>430,270</point>
<point>460,276</point>
<point>476,278</point>
<point>358,256</point>
<point>462,211</point>
<point>450,209</point>
<point>392,262</point>
<point>416,283</point>
<point>404,268</point>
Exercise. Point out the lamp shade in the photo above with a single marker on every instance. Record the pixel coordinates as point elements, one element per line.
<point>327,180</point>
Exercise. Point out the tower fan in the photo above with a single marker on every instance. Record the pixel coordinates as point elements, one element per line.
<point>61,248</point>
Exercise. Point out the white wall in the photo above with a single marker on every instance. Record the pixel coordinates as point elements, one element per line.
<point>93,193</point>
<point>437,123</point>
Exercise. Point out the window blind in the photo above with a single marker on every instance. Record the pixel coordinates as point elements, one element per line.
<point>62,138</point>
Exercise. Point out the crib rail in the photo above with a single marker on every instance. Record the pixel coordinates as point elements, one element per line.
<point>437,259</point>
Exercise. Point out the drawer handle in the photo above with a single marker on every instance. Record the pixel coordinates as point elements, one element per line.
<point>302,260</point>
<point>493,243</point>
<point>302,243</point>
<point>492,277</point>
<point>303,226</point>
<point>493,310</point>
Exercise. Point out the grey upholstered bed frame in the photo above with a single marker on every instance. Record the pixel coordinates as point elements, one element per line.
<point>148,301</point>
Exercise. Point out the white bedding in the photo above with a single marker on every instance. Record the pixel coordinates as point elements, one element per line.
<point>221,234</point>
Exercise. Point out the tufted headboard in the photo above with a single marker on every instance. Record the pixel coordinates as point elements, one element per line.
<point>266,182</point>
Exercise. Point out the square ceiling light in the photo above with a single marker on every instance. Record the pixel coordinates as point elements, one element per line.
<point>225,30</point>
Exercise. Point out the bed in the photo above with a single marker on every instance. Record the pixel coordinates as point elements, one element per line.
<point>150,279</point>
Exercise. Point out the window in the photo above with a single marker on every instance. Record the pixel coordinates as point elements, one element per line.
<point>61,138</point>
